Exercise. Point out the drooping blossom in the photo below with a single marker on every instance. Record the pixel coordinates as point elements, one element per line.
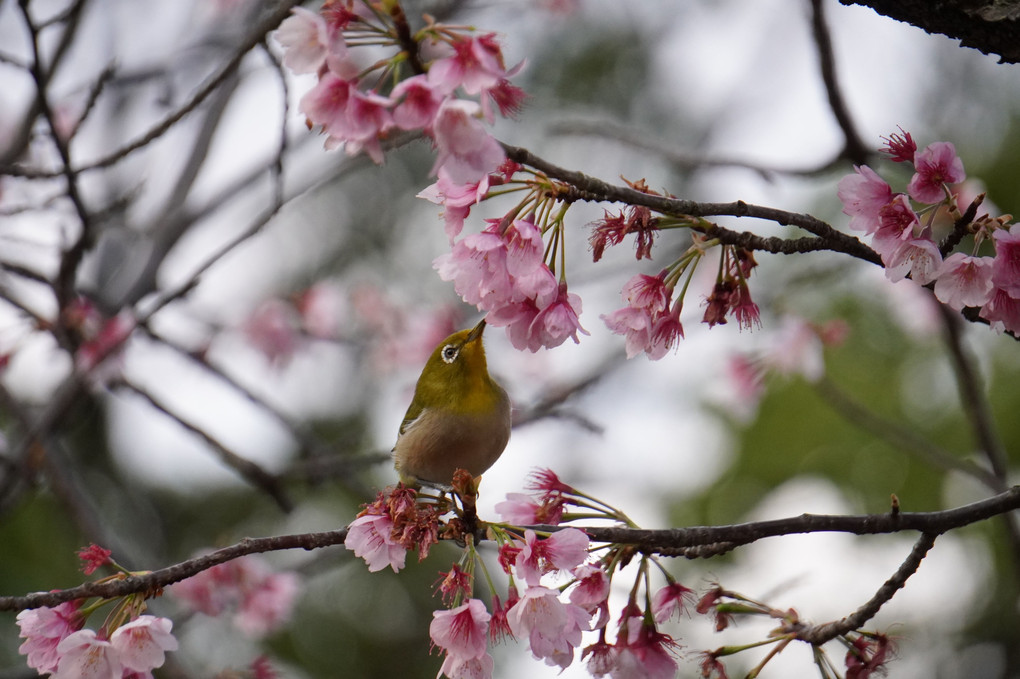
<point>600,658</point>
<point>592,592</point>
<point>475,66</point>
<point>43,629</point>
<point>647,654</point>
<point>563,550</point>
<point>462,631</point>
<point>304,37</point>
<point>1002,311</point>
<point>83,655</point>
<point>417,102</point>
<point>648,323</point>
<point>863,195</point>
<point>553,629</point>
<point>369,537</point>
<point>463,146</point>
<point>964,281</point>
<point>455,583</point>
<point>457,667</point>
<point>936,166</point>
<point>557,321</point>
<point>142,643</point>
<point>326,103</point>
<point>671,601</point>
<point>897,222</point>
<point>1006,264</point>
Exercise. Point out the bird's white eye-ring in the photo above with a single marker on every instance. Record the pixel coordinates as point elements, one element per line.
<point>449,353</point>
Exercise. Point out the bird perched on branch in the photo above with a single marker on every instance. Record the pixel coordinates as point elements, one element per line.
<point>459,417</point>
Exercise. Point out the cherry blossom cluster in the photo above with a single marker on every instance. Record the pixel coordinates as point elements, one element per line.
<point>903,229</point>
<point>650,321</point>
<point>557,592</point>
<point>446,96</point>
<point>128,645</point>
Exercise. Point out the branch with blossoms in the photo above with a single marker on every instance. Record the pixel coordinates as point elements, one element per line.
<point>545,532</point>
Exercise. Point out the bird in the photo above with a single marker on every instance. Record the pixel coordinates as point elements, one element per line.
<point>459,417</point>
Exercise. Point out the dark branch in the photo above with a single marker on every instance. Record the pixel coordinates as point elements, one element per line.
<point>659,541</point>
<point>819,634</point>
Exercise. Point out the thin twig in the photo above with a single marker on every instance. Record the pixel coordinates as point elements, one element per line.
<point>819,634</point>
<point>250,471</point>
<point>854,149</point>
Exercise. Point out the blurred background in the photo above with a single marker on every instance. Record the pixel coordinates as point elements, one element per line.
<point>308,305</point>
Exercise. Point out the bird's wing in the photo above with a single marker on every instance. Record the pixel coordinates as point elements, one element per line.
<point>410,417</point>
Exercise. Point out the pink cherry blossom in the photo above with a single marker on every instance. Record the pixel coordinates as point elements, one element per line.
<point>1002,311</point>
<point>667,331</point>
<point>369,537</point>
<point>592,590</point>
<point>456,667</point>
<point>462,631</point>
<point>552,628</point>
<point>647,292</point>
<point>477,266</point>
<point>368,117</point>
<point>634,324</point>
<point>603,658</point>
<point>326,103</point>
<point>1006,265</point>
<point>464,147</point>
<point>863,194</point>
<point>519,509</point>
<point>558,321</point>
<point>525,250</point>
<point>267,604</point>
<point>476,65</point>
<point>964,281</point>
<point>517,318</point>
<point>455,198</point>
<point>918,256</point>
<point>646,655</point>
<point>141,644</point>
<point>83,655</point>
<point>936,166</point>
<point>671,601</point>
<point>43,629</point>
<point>417,103</point>
<point>304,37</point>
<point>562,550</point>
<point>272,328</point>
<point>897,222</point>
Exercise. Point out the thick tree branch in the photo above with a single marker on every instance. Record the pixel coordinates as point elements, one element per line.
<point>988,26</point>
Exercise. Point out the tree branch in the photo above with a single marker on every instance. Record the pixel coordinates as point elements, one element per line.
<point>663,541</point>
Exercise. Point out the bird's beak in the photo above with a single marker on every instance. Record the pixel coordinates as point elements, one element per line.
<point>476,332</point>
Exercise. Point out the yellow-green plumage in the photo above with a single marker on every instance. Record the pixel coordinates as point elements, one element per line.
<point>459,417</point>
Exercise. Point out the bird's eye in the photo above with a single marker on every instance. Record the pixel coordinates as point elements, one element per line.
<point>450,352</point>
